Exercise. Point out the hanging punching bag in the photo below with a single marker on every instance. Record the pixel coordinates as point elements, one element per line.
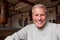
<point>3,14</point>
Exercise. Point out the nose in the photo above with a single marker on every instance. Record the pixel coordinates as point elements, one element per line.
<point>39,17</point>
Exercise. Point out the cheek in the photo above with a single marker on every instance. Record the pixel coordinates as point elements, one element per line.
<point>44,18</point>
<point>35,18</point>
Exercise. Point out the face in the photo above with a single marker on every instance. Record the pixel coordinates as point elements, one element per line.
<point>39,17</point>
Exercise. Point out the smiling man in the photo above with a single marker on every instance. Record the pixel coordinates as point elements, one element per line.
<point>40,29</point>
<point>39,15</point>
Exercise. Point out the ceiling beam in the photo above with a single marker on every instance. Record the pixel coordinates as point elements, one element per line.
<point>28,2</point>
<point>58,3</point>
<point>14,4</point>
<point>10,4</point>
<point>25,1</point>
<point>16,11</point>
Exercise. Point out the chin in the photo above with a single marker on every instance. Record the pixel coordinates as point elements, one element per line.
<point>40,26</point>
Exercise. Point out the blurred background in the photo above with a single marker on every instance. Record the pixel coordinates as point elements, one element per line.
<point>15,14</point>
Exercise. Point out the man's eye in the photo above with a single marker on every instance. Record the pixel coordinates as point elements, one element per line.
<point>36,15</point>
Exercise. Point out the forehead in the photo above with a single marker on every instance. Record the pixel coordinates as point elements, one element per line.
<point>38,10</point>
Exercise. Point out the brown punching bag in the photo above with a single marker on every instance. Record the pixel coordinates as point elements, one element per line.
<point>3,14</point>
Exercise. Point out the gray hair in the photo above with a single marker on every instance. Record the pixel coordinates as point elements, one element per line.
<point>39,6</point>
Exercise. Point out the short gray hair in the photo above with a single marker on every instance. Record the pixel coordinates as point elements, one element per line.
<point>39,6</point>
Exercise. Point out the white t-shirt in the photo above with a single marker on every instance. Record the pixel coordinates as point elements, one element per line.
<point>50,31</point>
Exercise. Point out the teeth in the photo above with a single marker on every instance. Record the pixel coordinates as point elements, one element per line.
<point>39,22</point>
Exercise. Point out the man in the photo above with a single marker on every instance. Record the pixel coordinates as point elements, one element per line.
<point>40,30</point>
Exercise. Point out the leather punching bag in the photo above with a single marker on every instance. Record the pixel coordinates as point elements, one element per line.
<point>3,14</point>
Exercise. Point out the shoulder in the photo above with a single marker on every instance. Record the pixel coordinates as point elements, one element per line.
<point>52,24</point>
<point>27,27</point>
<point>58,25</point>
